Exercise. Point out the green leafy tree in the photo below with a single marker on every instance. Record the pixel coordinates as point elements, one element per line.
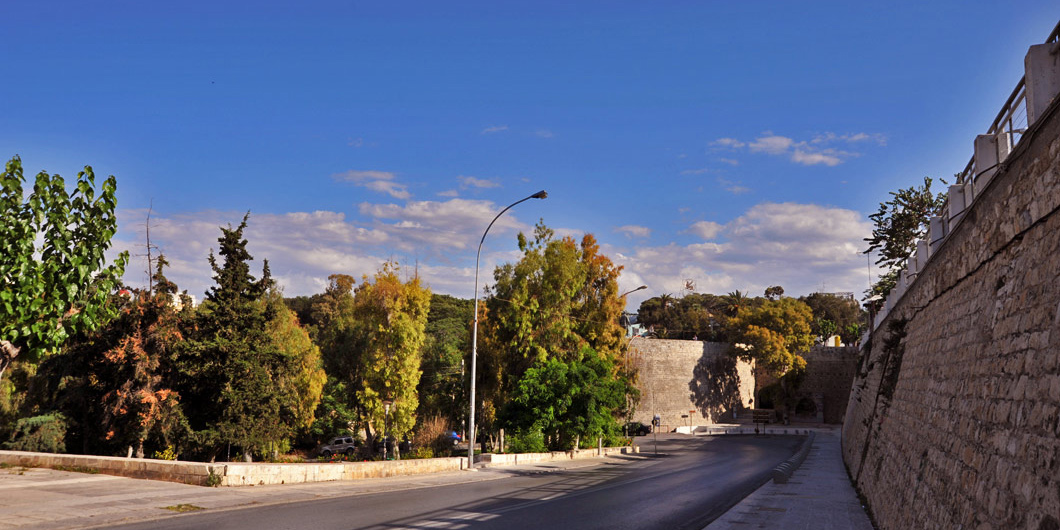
<point>898,224</point>
<point>567,401</point>
<point>559,298</point>
<point>700,316</point>
<point>389,318</point>
<point>443,390</point>
<point>305,385</point>
<point>843,313</point>
<point>340,342</point>
<point>54,280</point>
<point>774,292</point>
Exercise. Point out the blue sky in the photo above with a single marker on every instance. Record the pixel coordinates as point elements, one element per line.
<point>736,144</point>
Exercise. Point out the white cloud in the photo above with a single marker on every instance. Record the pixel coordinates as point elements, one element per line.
<point>731,143</point>
<point>798,246</point>
<point>634,231</point>
<point>813,159</point>
<point>492,129</point>
<point>543,133</point>
<point>304,248</point>
<point>381,181</point>
<point>815,151</point>
<point>700,171</point>
<point>773,145</point>
<point>705,229</point>
<point>472,182</point>
<point>449,193</point>
<point>733,187</point>
<point>730,161</point>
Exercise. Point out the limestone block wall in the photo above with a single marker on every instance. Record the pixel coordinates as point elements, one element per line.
<point>679,376</point>
<point>953,417</point>
<point>829,374</point>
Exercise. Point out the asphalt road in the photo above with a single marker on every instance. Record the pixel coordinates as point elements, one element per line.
<point>689,483</point>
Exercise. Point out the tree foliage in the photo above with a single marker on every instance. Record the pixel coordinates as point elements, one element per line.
<point>443,389</point>
<point>568,400</point>
<point>898,224</point>
<point>54,280</point>
<point>234,375</point>
<point>773,333</point>
<point>558,299</point>
<point>390,317</point>
<point>695,316</point>
<point>834,315</point>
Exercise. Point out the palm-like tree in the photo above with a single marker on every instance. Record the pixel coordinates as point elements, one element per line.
<point>734,301</point>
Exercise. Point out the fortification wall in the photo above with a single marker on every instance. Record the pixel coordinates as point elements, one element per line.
<point>953,417</point>
<point>829,375</point>
<point>678,376</point>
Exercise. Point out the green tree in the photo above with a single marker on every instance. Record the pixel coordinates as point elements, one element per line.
<point>389,319</point>
<point>306,383</point>
<point>566,401</point>
<point>443,389</point>
<point>559,298</point>
<point>233,372</point>
<point>843,313</point>
<point>898,224</point>
<point>54,280</point>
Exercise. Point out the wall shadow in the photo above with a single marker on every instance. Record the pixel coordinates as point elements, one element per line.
<point>715,386</point>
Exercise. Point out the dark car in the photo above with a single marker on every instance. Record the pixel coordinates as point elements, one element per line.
<point>636,428</point>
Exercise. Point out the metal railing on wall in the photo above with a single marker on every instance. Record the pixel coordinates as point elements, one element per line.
<point>1000,139</point>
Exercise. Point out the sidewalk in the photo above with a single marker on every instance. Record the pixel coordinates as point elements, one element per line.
<point>47,499</point>
<point>819,496</point>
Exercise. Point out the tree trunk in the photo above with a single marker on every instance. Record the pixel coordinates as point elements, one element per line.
<point>8,352</point>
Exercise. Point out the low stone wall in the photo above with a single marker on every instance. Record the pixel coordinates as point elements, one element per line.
<point>196,473</point>
<point>514,459</point>
<point>262,473</point>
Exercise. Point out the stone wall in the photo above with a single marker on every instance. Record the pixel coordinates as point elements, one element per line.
<point>953,417</point>
<point>829,374</point>
<point>679,376</point>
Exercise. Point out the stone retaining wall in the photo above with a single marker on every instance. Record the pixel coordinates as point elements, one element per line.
<point>953,418</point>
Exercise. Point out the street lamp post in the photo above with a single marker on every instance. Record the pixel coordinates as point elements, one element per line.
<point>625,427</point>
<point>474,334</point>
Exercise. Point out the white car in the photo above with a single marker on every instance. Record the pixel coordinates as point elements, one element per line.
<point>341,444</point>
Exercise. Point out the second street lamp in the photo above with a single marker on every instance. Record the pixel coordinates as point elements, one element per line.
<point>474,334</point>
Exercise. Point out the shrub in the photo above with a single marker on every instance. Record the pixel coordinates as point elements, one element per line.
<point>433,434</point>
<point>168,454</point>
<point>526,442</point>
<point>42,434</point>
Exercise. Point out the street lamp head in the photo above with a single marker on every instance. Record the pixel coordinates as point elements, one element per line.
<point>540,195</point>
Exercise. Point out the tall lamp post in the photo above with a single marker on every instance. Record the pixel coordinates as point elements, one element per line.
<point>625,427</point>
<point>474,334</point>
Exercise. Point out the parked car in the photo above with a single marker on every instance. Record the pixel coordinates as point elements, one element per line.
<point>636,428</point>
<point>338,445</point>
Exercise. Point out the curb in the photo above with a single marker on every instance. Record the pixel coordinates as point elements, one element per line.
<point>783,472</point>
